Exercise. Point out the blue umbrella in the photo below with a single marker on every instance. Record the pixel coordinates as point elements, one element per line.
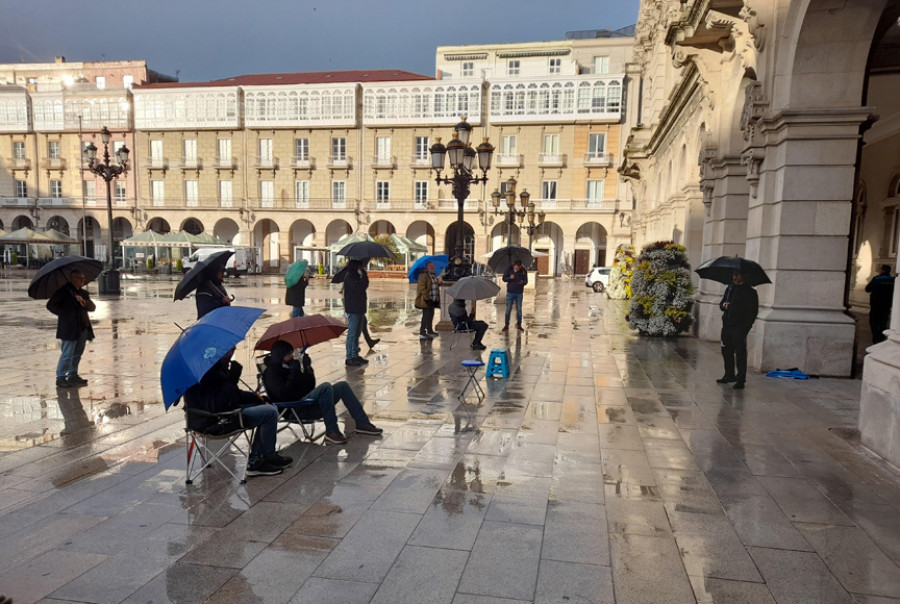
<point>200,346</point>
<point>440,263</point>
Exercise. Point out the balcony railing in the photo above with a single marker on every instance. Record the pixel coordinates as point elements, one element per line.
<point>53,163</point>
<point>303,163</point>
<point>417,162</point>
<point>598,159</point>
<point>156,163</point>
<point>552,160</point>
<point>383,161</point>
<point>15,201</point>
<point>55,201</point>
<point>190,163</point>
<point>265,163</point>
<point>509,161</point>
<point>226,163</point>
<point>340,163</point>
<point>20,163</point>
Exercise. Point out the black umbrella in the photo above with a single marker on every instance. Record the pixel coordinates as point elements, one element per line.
<point>195,277</point>
<point>365,249</point>
<point>55,274</point>
<point>501,259</point>
<point>722,268</point>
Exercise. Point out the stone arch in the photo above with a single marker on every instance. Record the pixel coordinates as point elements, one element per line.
<point>22,221</point>
<point>159,225</point>
<point>452,243</point>
<point>590,247</point>
<point>421,232</point>
<point>192,226</point>
<point>88,232</point>
<point>502,235</point>
<point>548,238</point>
<point>122,228</point>
<point>58,223</point>
<point>267,237</point>
<point>227,229</point>
<point>303,233</point>
<point>381,227</point>
<point>337,229</point>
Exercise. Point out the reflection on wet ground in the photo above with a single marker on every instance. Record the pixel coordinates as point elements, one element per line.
<point>607,468</point>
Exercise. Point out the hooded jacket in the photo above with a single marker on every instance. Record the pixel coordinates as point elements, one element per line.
<point>218,392</point>
<point>287,383</point>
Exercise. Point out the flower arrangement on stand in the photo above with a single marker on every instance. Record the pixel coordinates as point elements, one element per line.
<point>620,275</point>
<point>661,291</point>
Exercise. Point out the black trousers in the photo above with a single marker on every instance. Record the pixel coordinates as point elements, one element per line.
<point>879,321</point>
<point>427,320</point>
<point>734,353</point>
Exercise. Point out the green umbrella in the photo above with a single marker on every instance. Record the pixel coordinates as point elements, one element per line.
<point>295,272</point>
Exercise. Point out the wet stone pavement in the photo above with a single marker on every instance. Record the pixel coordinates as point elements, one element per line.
<point>607,468</point>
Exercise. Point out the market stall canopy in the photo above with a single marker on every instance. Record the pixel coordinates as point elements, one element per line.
<point>147,238</point>
<point>29,236</point>
<point>56,236</point>
<point>347,240</point>
<point>408,246</point>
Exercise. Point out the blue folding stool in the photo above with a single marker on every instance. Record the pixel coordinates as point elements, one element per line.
<point>498,364</point>
<point>471,367</point>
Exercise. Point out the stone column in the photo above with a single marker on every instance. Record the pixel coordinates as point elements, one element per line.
<point>797,228</point>
<point>725,233</point>
<point>879,403</point>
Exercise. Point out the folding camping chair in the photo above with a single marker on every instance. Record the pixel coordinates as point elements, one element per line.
<point>461,327</point>
<point>304,413</point>
<point>226,433</point>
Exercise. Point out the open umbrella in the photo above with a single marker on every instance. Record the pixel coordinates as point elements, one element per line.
<point>440,263</point>
<point>504,257</point>
<point>721,269</point>
<point>194,277</point>
<point>55,274</point>
<point>301,332</point>
<point>473,288</point>
<point>365,249</point>
<point>200,346</point>
<point>295,272</point>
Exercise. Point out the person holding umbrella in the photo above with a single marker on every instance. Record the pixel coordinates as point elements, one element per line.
<point>286,380</point>
<point>739,307</point>
<point>71,303</point>
<point>211,292</point>
<point>464,320</point>
<point>218,392</point>
<point>356,282</point>
<point>516,278</point>
<point>296,296</point>
<point>428,296</point>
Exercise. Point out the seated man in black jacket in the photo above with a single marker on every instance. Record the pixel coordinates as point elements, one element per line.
<point>463,320</point>
<point>218,392</point>
<point>286,380</point>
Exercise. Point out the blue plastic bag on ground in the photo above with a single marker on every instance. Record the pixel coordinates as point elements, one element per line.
<point>788,373</point>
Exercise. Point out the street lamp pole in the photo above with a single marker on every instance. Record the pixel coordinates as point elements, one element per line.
<point>527,211</point>
<point>462,160</point>
<point>109,279</point>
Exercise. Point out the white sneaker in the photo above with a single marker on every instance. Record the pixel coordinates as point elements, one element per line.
<point>423,336</point>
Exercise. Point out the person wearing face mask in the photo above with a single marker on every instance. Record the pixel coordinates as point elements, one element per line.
<point>288,379</point>
<point>739,306</point>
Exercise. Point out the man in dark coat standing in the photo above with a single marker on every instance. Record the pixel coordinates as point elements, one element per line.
<point>739,306</point>
<point>356,282</point>
<point>71,304</point>
<point>881,298</point>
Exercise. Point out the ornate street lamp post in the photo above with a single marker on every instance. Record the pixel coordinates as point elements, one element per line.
<point>109,278</point>
<point>462,159</point>
<point>527,211</point>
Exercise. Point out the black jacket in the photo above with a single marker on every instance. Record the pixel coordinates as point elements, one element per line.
<point>515,280</point>
<point>741,313</point>
<point>210,296</point>
<point>291,383</point>
<point>217,392</point>
<point>356,282</point>
<point>459,314</point>
<point>296,294</point>
<point>72,316</point>
<point>881,293</point>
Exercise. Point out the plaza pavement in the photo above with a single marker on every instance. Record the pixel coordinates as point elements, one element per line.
<point>607,468</point>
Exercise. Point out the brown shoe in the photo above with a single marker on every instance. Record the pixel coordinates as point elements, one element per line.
<point>505,328</point>
<point>519,327</point>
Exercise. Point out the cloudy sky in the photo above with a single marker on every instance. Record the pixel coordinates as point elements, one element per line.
<point>210,39</point>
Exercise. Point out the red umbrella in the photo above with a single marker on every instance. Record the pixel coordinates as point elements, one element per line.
<point>304,331</point>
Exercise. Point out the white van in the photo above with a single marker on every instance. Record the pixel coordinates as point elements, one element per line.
<point>236,265</point>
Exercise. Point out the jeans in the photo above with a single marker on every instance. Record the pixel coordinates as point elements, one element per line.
<point>327,394</point>
<point>70,356</point>
<point>265,419</point>
<point>354,328</point>
<point>297,312</point>
<point>517,300</point>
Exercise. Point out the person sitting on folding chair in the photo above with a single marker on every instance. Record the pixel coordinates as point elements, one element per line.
<point>286,380</point>
<point>218,392</point>
<point>463,320</point>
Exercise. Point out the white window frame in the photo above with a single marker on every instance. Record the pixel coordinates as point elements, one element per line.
<point>101,82</point>
<point>267,193</point>
<point>596,150</point>
<point>301,194</point>
<point>22,188</point>
<point>156,152</point>
<point>420,194</point>
<point>594,192</point>
<point>421,148</point>
<point>468,69</point>
<point>382,150</point>
<point>120,190</point>
<point>266,149</point>
<point>601,65</point>
<point>301,149</point>
<point>382,194</point>
<point>550,144</point>
<point>128,81</point>
<point>513,67</point>
<point>224,149</point>
<point>226,193</point>
<point>339,193</point>
<point>19,149</point>
<point>54,149</point>
<point>158,192</point>
<point>191,193</point>
<point>189,146</point>
<point>339,148</point>
<point>549,190</point>
<point>554,65</point>
<point>509,146</point>
<point>89,191</point>
<point>56,188</point>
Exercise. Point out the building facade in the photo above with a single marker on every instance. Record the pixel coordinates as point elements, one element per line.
<point>771,129</point>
